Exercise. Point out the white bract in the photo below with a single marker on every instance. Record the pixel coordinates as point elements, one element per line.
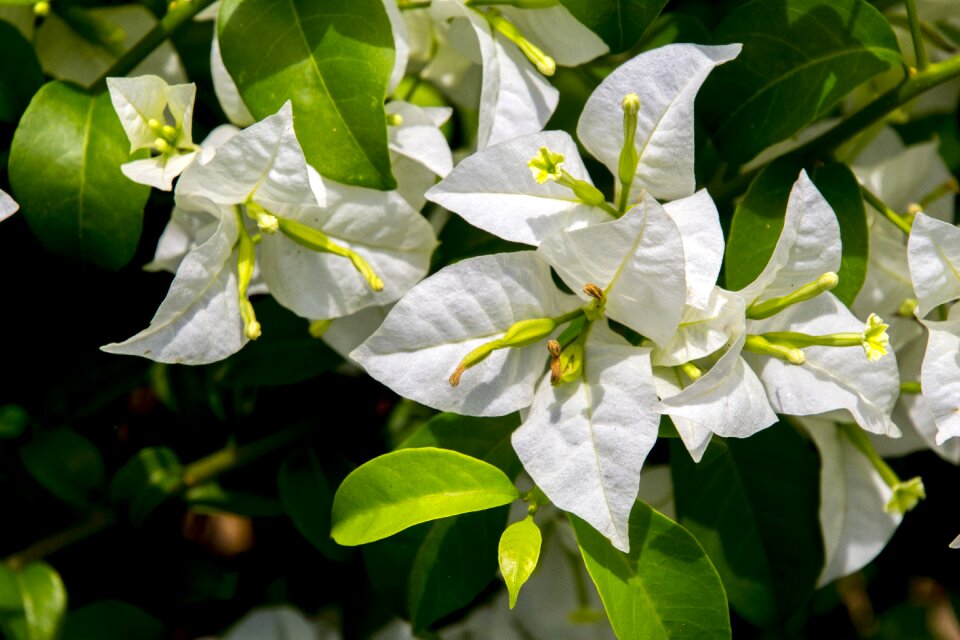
<point>326,249</point>
<point>158,117</point>
<point>419,152</point>
<point>8,206</point>
<point>496,179</point>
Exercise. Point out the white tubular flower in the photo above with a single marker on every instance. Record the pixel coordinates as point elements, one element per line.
<point>336,249</point>
<point>8,206</point>
<point>143,105</point>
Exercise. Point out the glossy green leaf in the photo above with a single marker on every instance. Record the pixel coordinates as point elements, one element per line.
<point>111,620</point>
<point>665,587</point>
<point>620,23</point>
<point>333,60</point>
<point>518,553</point>
<point>67,464</point>
<point>20,74</point>
<point>758,220</point>
<point>145,481</point>
<point>13,421</point>
<point>800,57</point>
<point>487,439</point>
<point>406,487</point>
<point>32,602</point>
<point>65,172</point>
<point>307,499</point>
<point>753,505</point>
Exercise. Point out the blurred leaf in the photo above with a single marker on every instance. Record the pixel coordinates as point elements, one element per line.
<point>210,497</point>
<point>13,421</point>
<point>111,620</point>
<point>758,220</point>
<point>753,505</point>
<point>32,602</point>
<point>67,464</point>
<point>406,487</point>
<point>620,23</point>
<point>20,74</point>
<point>65,172</point>
<point>800,57</point>
<point>307,498</point>
<point>665,587</point>
<point>518,553</point>
<point>333,60</point>
<point>145,481</point>
<point>942,125</point>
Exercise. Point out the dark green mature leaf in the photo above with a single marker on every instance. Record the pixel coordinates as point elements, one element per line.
<point>758,220</point>
<point>665,587</point>
<point>753,505</point>
<point>20,74</point>
<point>32,602</point>
<point>111,620</point>
<point>799,58</point>
<point>65,172</point>
<point>620,23</point>
<point>333,60</point>
<point>145,481</point>
<point>210,497</point>
<point>406,487</point>
<point>67,464</point>
<point>485,438</point>
<point>13,421</point>
<point>307,498</point>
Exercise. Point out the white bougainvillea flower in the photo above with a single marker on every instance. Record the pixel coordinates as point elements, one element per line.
<point>934,258</point>
<point>473,339</point>
<point>358,248</point>
<point>419,152</point>
<point>8,206</point>
<point>823,377</point>
<point>158,117</point>
<point>664,82</point>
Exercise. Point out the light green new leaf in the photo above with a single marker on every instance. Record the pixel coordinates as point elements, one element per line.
<point>333,59</point>
<point>666,587</point>
<point>65,172</point>
<point>406,487</point>
<point>32,602</point>
<point>800,57</point>
<point>67,464</point>
<point>758,220</point>
<point>518,554</point>
<point>620,23</point>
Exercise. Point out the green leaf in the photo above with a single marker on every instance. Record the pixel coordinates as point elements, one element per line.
<point>307,499</point>
<point>406,487</point>
<point>13,421</point>
<point>20,74</point>
<point>487,439</point>
<point>67,464</point>
<point>210,497</point>
<point>333,60</point>
<point>800,57</point>
<point>620,23</point>
<point>65,172</point>
<point>32,602</point>
<point>758,220</point>
<point>111,620</point>
<point>753,505</point>
<point>145,481</point>
<point>665,587</point>
<point>518,553</point>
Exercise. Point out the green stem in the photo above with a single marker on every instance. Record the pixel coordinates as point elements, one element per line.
<point>859,439</point>
<point>918,47</point>
<point>95,523</point>
<point>174,19</point>
<point>874,200</point>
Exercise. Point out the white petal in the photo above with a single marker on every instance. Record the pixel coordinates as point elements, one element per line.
<point>637,260</point>
<point>933,252</point>
<point>279,623</point>
<point>699,224</point>
<point>226,89</point>
<point>694,435</point>
<point>159,171</point>
<point>379,225</point>
<point>940,375</point>
<point>584,442</point>
<point>833,377</point>
<point>494,190</point>
<point>515,99</point>
<point>728,400</point>
<point>137,100</point>
<point>558,33</point>
<point>702,332</point>
<point>419,138</point>
<point>667,80</point>
<point>349,332</point>
<point>264,162</point>
<point>199,320</point>
<point>454,311</point>
<point>214,140</point>
<point>808,247</point>
<point>8,205</point>
<point>186,230</point>
<point>887,282</point>
<point>905,177</point>
<point>401,47</point>
<point>854,523</point>
<point>180,99</point>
